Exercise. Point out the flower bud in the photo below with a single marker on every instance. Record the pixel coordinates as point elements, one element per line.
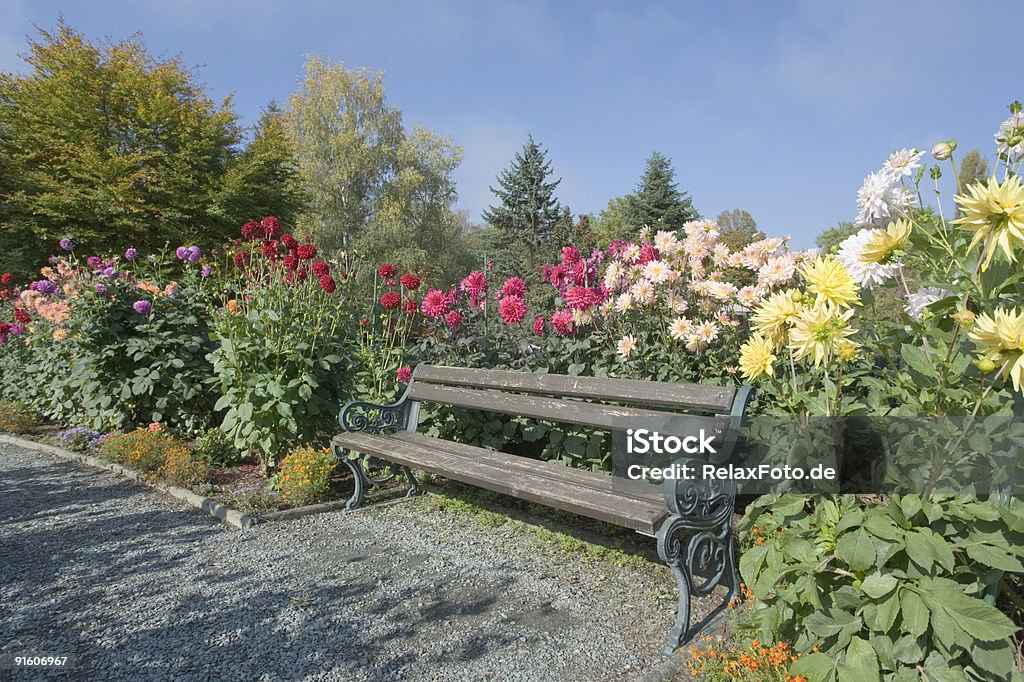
<point>965,318</point>
<point>986,365</point>
<point>943,150</point>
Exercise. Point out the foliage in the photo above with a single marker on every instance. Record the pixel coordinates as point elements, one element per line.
<point>216,449</point>
<point>657,202</point>
<point>305,475</point>
<point>879,590</point>
<point>16,417</point>
<point>612,224</point>
<point>829,240</point>
<point>973,168</point>
<point>526,212</point>
<point>283,339</point>
<point>737,228</point>
<point>182,468</point>
<point>106,140</point>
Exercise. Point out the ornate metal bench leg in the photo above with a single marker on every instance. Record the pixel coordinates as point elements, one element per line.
<point>358,477</point>
<point>414,485</point>
<point>671,550</point>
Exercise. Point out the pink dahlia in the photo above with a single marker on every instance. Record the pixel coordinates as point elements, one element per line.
<point>435,303</point>
<point>538,325</point>
<point>453,319</point>
<point>563,323</point>
<point>474,283</point>
<point>570,255</point>
<point>581,298</point>
<point>512,309</point>
<point>513,286</point>
<point>647,254</point>
<point>404,374</point>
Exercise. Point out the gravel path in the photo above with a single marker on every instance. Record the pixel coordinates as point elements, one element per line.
<point>136,586</point>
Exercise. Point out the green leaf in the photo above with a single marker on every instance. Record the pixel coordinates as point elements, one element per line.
<point>917,360</point>
<point>857,550</point>
<point>816,667</point>
<point>878,585</point>
<point>860,663</point>
<point>914,612</point>
<point>994,557</point>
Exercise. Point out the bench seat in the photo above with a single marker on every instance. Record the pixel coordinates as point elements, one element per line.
<point>586,493</point>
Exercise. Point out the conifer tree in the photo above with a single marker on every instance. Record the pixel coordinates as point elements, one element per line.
<point>657,201</point>
<point>528,210</point>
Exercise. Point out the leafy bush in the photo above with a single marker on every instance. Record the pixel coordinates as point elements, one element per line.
<point>305,475</point>
<point>79,439</point>
<point>182,468</point>
<point>216,448</point>
<point>874,590</point>
<point>16,417</point>
<point>284,342</point>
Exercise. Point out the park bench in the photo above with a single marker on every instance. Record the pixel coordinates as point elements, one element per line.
<point>691,519</point>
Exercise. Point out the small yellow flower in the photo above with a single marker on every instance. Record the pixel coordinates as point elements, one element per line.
<point>776,313</point>
<point>820,332</point>
<point>995,210</point>
<point>829,280</point>
<point>757,357</point>
<point>883,243</point>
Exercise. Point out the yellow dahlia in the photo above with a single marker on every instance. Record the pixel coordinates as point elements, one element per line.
<point>883,242</point>
<point>830,281</point>
<point>775,313</point>
<point>757,357</point>
<point>820,332</point>
<point>1001,338</point>
<point>994,210</point>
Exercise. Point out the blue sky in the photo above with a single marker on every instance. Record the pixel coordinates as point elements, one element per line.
<point>779,108</point>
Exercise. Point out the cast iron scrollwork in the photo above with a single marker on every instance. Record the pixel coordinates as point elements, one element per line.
<point>368,471</point>
<point>696,542</point>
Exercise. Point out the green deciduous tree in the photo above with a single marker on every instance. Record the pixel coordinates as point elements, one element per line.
<point>612,224</point>
<point>973,167</point>
<point>527,211</point>
<point>105,139</point>
<point>829,240</point>
<point>737,228</point>
<point>657,201</point>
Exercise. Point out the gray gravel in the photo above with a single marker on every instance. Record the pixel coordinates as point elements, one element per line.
<point>135,585</point>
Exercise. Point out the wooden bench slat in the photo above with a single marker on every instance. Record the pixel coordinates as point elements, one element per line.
<point>636,514</point>
<point>591,479</point>
<point>607,417</point>
<point>717,399</point>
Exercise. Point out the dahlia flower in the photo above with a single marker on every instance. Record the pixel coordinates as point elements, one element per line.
<point>474,283</point>
<point>829,280</point>
<point>819,331</point>
<point>391,300</point>
<point>306,252</point>
<point>626,345</point>
<point>757,357</point>
<point>680,328</point>
<point>512,309</point>
<point>513,286</point>
<point>1001,338</point>
<point>409,281</point>
<point>995,211</point>
<point>903,162</point>
<point>538,325</point>
<point>67,243</point>
<point>772,319</point>
<point>453,319</point>
<point>563,323</point>
<point>319,268</point>
<point>922,298</point>
<point>851,255</point>
<point>404,374</point>
<point>1010,137</point>
<point>435,303</point>
<point>142,307</point>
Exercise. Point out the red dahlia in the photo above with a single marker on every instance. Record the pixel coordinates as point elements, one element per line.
<point>289,241</point>
<point>319,268</point>
<point>391,300</point>
<point>306,251</point>
<point>386,271</point>
<point>22,316</point>
<point>290,261</point>
<point>6,278</point>
<point>252,230</point>
<point>271,226</point>
<point>410,281</point>
<point>269,249</point>
<point>242,259</point>
<point>327,284</point>
<point>410,306</point>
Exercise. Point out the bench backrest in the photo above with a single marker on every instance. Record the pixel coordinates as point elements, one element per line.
<point>543,396</point>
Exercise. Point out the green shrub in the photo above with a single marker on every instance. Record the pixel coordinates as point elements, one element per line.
<point>16,417</point>
<point>870,590</point>
<point>305,475</point>
<point>216,448</point>
<point>143,450</point>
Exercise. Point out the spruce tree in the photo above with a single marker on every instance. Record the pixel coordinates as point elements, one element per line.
<point>657,201</point>
<point>526,216</point>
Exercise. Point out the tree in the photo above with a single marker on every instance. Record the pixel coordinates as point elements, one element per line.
<point>527,212</point>
<point>570,231</point>
<point>657,201</point>
<point>737,228</point>
<point>103,142</point>
<point>829,240</point>
<point>263,180</point>
<point>347,140</point>
<point>612,224</point>
<point>972,168</point>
